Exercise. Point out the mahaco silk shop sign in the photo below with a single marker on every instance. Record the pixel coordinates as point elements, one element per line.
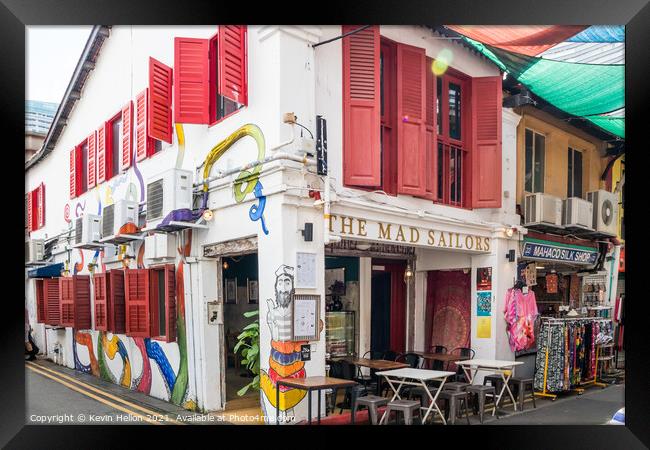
<point>353,227</point>
<point>534,248</point>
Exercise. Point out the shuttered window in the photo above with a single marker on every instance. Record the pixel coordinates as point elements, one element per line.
<point>163,302</point>
<point>191,80</point>
<point>40,301</point>
<point>431,172</point>
<point>143,144</point>
<point>35,206</point>
<point>104,160</point>
<point>101,287</point>
<point>160,101</point>
<point>75,180</point>
<point>74,299</point>
<point>232,63</point>
<point>91,155</point>
<point>136,297</point>
<point>116,302</point>
<point>127,135</point>
<point>52,302</point>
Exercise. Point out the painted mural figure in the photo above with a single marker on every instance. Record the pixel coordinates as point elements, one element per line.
<point>279,316</point>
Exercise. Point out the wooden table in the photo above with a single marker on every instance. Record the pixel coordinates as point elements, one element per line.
<point>416,377</point>
<point>309,384</point>
<point>376,364</point>
<point>444,357</point>
<point>494,366</point>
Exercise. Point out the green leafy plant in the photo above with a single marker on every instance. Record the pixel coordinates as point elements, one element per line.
<point>249,343</point>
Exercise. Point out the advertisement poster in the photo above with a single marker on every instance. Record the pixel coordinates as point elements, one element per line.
<point>484,279</point>
<point>484,327</point>
<point>484,303</point>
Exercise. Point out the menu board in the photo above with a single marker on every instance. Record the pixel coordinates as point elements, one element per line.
<point>305,317</point>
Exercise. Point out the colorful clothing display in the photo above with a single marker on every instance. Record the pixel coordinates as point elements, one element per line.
<point>571,347</point>
<point>520,313</point>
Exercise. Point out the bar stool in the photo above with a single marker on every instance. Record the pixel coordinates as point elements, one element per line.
<point>481,392</point>
<point>454,400</point>
<point>372,402</point>
<point>522,384</point>
<point>406,407</point>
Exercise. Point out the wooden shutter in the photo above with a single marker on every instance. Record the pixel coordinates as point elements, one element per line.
<point>361,107</point>
<point>28,198</point>
<point>34,196</point>
<point>127,135</point>
<point>40,213</point>
<point>136,299</point>
<point>40,301</point>
<point>486,142</point>
<point>103,166</point>
<point>411,116</point>
<point>52,304</point>
<point>142,141</point>
<point>66,301</point>
<point>101,288</point>
<point>117,316</point>
<point>170,307</point>
<point>73,174</point>
<point>81,295</point>
<point>191,80</point>
<point>92,153</point>
<point>431,173</point>
<point>160,101</point>
<point>232,63</point>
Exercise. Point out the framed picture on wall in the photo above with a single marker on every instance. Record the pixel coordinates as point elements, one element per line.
<point>231,290</point>
<point>253,291</point>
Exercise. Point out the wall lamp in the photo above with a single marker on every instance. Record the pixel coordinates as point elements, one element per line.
<point>408,273</point>
<point>510,256</point>
<point>308,232</point>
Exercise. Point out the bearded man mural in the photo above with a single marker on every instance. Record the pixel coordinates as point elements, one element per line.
<point>284,360</point>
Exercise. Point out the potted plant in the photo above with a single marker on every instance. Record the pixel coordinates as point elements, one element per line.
<point>249,344</point>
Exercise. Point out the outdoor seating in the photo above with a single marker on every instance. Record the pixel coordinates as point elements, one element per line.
<point>454,400</point>
<point>345,370</point>
<point>408,408</point>
<point>456,386</point>
<point>464,352</point>
<point>481,393</point>
<point>523,384</point>
<point>438,365</point>
<point>373,403</point>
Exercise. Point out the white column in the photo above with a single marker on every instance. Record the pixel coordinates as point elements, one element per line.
<point>420,310</point>
<point>365,302</point>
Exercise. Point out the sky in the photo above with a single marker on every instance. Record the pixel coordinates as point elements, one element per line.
<point>52,53</point>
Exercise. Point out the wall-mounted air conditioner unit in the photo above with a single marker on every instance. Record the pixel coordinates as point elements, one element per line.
<point>117,215</point>
<point>34,251</point>
<point>605,211</point>
<point>87,231</point>
<point>160,246</point>
<point>169,191</point>
<point>542,209</point>
<point>110,253</point>
<point>577,213</point>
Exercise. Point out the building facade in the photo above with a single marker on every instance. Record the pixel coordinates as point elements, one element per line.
<point>419,195</point>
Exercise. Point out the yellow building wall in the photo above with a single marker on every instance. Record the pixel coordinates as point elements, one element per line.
<point>559,137</point>
<point>618,169</point>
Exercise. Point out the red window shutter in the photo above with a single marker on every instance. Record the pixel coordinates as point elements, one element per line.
<point>100,283</point>
<point>78,166</point>
<point>34,196</point>
<point>81,295</point>
<point>142,141</point>
<point>127,135</point>
<point>66,301</point>
<point>361,107</point>
<point>411,117</point>
<point>52,308</point>
<point>40,301</point>
<point>40,192</point>
<point>73,175</point>
<point>170,295</point>
<point>136,299</point>
<point>486,142</point>
<point>29,212</point>
<point>431,176</point>
<point>232,63</point>
<point>102,166</point>
<point>117,316</point>
<point>160,101</point>
<point>191,80</point>
<point>92,153</point>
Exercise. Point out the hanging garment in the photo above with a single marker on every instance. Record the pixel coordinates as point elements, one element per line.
<point>520,313</point>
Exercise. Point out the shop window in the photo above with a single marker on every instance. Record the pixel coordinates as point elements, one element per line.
<point>534,161</point>
<point>574,176</point>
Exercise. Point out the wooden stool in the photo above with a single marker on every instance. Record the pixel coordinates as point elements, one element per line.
<point>372,402</point>
<point>521,384</point>
<point>481,392</point>
<point>407,407</point>
<point>454,400</point>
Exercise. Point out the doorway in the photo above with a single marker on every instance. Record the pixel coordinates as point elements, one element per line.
<point>380,312</point>
<point>388,306</point>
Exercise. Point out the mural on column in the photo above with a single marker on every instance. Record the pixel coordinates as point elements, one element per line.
<point>284,360</point>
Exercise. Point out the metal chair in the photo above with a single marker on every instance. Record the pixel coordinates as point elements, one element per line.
<point>390,355</point>
<point>367,380</point>
<point>347,372</point>
<point>464,352</point>
<point>412,359</point>
<point>437,365</point>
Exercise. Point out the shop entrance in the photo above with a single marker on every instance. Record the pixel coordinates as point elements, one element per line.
<point>388,306</point>
<point>380,312</point>
<point>448,309</point>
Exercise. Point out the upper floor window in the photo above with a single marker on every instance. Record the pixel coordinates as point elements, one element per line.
<point>116,145</point>
<point>574,175</point>
<point>84,167</point>
<point>534,161</point>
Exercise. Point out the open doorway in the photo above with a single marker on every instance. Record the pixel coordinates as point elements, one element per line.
<point>388,306</point>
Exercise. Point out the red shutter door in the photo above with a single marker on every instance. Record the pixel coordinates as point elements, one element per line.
<point>142,141</point>
<point>160,101</point>
<point>102,167</point>
<point>100,283</point>
<point>29,212</point>
<point>232,63</point>
<point>52,307</point>
<point>66,301</point>
<point>170,295</point>
<point>361,107</point>
<point>127,135</point>
<point>136,296</point>
<point>73,175</point>
<point>486,142</point>
<point>117,316</point>
<point>40,216</point>
<point>81,294</point>
<point>40,301</point>
<point>191,80</point>
<point>431,175</point>
<point>92,153</point>
<point>411,114</point>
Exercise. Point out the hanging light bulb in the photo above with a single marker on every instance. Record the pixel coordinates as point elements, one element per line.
<point>408,273</point>
<point>225,265</point>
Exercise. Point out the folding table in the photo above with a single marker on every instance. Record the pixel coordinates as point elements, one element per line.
<point>492,366</point>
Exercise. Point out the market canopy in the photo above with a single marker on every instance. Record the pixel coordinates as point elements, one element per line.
<point>577,69</point>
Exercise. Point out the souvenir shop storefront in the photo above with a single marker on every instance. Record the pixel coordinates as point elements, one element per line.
<point>565,289</point>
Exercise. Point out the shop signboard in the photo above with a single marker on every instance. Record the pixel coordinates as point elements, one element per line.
<point>554,251</point>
